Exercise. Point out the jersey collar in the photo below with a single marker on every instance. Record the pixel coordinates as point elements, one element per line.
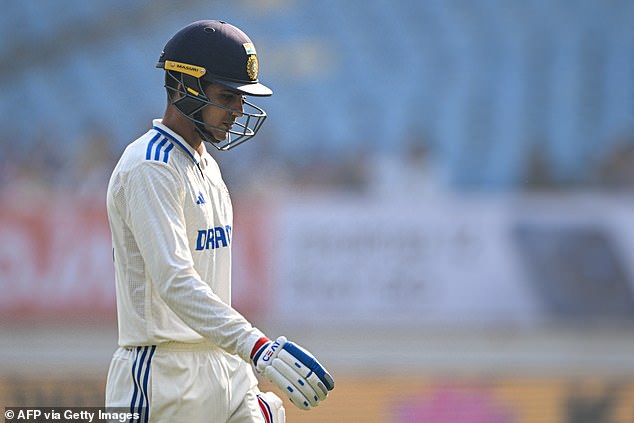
<point>178,140</point>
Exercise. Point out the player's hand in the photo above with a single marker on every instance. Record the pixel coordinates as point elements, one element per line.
<point>295,371</point>
<point>271,407</point>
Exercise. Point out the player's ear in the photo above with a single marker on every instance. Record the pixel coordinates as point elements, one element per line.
<point>179,93</point>
<point>174,86</point>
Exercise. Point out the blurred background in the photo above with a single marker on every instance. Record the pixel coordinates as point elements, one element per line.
<point>440,204</point>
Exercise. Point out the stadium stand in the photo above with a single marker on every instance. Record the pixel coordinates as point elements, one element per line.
<point>488,82</point>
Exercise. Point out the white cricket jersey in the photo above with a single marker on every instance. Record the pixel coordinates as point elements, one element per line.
<point>171,220</point>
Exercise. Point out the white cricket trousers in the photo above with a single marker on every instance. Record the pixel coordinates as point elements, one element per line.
<point>177,382</point>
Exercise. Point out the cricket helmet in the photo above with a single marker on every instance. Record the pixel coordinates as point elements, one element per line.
<point>212,51</point>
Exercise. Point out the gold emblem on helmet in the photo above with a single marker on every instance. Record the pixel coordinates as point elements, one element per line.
<point>252,67</point>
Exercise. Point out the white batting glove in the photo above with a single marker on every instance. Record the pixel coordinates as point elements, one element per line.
<point>271,407</point>
<point>294,370</point>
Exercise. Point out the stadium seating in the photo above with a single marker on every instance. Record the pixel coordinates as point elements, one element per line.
<point>487,82</point>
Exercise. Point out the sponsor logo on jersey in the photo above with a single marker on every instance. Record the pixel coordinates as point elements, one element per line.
<point>200,199</point>
<point>213,238</point>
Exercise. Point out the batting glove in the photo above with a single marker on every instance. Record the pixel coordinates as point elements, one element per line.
<point>271,407</point>
<point>294,370</point>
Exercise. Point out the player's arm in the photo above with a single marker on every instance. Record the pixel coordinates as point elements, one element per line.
<point>154,212</point>
<point>157,221</point>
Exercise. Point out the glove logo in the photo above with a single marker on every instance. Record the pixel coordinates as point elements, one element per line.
<point>271,351</point>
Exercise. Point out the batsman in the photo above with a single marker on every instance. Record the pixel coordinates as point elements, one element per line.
<point>185,355</point>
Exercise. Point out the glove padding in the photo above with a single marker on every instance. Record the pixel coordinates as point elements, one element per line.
<point>295,371</point>
<point>271,407</point>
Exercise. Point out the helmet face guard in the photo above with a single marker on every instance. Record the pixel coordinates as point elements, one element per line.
<point>191,100</point>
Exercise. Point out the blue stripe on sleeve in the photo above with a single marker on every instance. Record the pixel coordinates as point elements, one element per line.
<point>157,152</point>
<point>166,153</point>
<point>148,152</point>
<point>175,141</point>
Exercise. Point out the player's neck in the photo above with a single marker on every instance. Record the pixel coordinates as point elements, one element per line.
<point>175,121</point>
